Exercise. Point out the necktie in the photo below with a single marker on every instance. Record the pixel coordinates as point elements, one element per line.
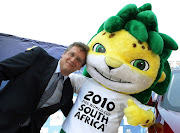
<point>48,93</point>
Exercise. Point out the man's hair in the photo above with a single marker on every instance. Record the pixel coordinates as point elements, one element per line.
<point>84,48</point>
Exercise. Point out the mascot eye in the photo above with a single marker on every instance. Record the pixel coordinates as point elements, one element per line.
<point>99,48</point>
<point>140,64</point>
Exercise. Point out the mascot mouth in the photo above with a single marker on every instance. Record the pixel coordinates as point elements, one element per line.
<point>110,77</point>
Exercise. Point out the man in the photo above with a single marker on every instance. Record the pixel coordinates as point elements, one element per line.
<point>26,102</point>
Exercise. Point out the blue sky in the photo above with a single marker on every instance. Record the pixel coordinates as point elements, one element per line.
<point>66,21</point>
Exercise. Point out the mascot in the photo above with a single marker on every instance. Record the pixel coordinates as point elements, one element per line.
<point>126,62</point>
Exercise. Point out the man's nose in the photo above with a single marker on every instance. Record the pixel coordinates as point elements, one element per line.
<point>73,59</point>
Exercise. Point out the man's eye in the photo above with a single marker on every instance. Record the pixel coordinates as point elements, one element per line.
<point>71,54</point>
<point>140,64</point>
<point>99,48</point>
<point>79,60</point>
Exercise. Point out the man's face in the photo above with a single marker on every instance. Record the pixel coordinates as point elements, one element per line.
<point>72,60</point>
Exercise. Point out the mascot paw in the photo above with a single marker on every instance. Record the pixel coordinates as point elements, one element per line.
<point>137,116</point>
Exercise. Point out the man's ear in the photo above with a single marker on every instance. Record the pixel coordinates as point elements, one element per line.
<point>163,76</point>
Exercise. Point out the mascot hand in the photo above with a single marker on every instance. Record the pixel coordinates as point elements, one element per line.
<point>137,116</point>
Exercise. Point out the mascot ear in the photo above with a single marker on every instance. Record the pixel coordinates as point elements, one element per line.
<point>163,76</point>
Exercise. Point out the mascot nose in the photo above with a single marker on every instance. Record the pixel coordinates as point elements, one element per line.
<point>112,62</point>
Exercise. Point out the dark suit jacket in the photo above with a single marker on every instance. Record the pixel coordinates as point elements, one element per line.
<point>28,74</point>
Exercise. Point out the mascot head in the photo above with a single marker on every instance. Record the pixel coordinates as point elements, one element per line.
<point>128,54</point>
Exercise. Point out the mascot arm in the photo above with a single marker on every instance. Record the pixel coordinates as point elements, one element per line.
<point>138,116</point>
<point>77,81</point>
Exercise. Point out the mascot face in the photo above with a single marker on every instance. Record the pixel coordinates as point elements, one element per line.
<point>121,63</point>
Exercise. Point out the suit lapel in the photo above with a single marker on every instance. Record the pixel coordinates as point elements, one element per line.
<point>67,92</point>
<point>46,74</point>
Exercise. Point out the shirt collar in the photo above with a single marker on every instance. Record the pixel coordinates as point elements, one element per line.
<point>58,70</point>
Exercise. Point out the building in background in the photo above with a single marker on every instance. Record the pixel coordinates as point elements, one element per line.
<point>174,64</point>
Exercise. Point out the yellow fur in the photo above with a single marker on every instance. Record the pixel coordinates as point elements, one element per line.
<point>137,116</point>
<point>163,76</point>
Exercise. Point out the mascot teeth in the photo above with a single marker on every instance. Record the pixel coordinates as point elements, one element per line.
<point>110,77</point>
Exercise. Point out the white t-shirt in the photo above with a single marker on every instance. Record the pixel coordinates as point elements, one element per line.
<point>97,109</point>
